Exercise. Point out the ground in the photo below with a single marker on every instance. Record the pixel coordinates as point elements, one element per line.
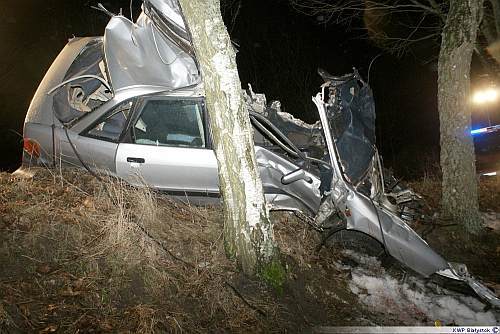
<point>481,253</point>
<point>84,255</point>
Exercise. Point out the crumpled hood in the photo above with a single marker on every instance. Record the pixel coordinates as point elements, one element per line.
<point>167,16</point>
<point>155,50</point>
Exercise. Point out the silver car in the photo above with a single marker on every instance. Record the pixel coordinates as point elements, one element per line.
<point>142,134</point>
<point>132,103</point>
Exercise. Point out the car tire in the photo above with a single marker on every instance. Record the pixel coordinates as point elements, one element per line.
<point>355,241</point>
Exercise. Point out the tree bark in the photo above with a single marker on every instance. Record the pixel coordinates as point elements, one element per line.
<point>459,185</point>
<point>248,233</point>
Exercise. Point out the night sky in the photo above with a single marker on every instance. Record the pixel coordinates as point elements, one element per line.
<point>279,52</point>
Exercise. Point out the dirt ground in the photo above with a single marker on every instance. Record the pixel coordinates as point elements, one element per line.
<point>80,255</point>
<point>481,253</point>
<point>75,258</point>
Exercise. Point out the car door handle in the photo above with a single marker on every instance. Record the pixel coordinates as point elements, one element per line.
<point>137,160</point>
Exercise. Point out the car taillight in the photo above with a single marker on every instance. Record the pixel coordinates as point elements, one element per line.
<point>31,147</point>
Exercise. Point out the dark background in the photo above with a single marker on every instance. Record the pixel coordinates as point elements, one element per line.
<point>279,53</point>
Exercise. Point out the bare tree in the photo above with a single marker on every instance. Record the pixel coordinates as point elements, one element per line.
<point>396,26</point>
<point>248,232</point>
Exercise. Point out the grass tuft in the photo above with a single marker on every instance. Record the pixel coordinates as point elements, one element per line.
<point>274,274</point>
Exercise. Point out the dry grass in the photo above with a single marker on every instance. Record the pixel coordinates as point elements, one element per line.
<point>489,192</point>
<point>5,318</point>
<point>481,252</point>
<point>83,255</point>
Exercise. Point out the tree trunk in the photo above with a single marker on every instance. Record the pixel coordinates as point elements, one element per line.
<point>248,233</point>
<point>459,187</point>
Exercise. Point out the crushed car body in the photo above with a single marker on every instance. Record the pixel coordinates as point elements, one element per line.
<point>357,192</point>
<point>132,103</point>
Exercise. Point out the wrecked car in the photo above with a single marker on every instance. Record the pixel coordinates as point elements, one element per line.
<point>132,103</point>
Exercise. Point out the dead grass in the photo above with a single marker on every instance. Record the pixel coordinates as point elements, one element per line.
<point>481,253</point>
<point>78,254</point>
<point>5,319</point>
<point>89,256</point>
<point>489,192</point>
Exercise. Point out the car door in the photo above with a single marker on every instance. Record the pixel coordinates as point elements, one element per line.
<point>170,148</point>
<point>96,145</point>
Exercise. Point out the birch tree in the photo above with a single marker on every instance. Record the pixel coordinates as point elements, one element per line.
<point>248,232</point>
<point>451,25</point>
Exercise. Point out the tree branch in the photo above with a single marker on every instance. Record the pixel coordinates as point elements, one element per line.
<point>495,4</point>
<point>430,9</point>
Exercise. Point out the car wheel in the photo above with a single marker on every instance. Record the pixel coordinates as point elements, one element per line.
<point>355,241</point>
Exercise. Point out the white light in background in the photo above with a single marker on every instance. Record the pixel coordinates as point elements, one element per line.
<point>485,96</point>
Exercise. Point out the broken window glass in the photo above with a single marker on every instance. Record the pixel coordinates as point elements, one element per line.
<point>84,87</point>
<point>111,127</point>
<point>171,123</point>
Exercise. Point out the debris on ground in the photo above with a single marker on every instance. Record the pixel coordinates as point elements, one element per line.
<point>78,254</point>
<point>411,299</point>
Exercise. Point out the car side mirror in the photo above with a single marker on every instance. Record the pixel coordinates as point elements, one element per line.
<point>296,175</point>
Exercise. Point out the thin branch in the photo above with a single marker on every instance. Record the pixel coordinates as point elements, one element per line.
<point>495,4</point>
<point>238,293</point>
<point>429,9</point>
<point>399,12</point>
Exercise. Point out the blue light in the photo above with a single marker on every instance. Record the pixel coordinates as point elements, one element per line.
<point>478,131</point>
<point>485,130</point>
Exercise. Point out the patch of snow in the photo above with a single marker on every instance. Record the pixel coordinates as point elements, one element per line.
<point>413,301</point>
<point>492,220</point>
<point>365,260</point>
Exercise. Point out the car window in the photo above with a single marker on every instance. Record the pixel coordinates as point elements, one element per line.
<point>112,125</point>
<point>172,122</point>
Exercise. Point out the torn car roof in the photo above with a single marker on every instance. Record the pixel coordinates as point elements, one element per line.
<point>153,51</point>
